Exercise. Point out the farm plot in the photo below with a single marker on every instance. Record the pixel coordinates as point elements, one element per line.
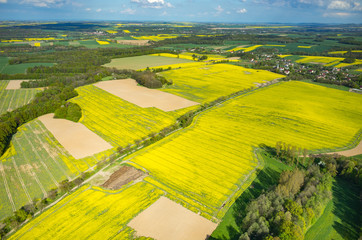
<point>34,163</point>
<point>209,164</point>
<point>79,141</point>
<point>166,220</point>
<point>117,121</point>
<point>128,90</point>
<point>327,61</point>
<point>92,213</point>
<point>12,99</point>
<point>208,82</point>
<point>141,62</point>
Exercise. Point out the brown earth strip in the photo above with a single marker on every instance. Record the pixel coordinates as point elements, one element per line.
<point>122,176</point>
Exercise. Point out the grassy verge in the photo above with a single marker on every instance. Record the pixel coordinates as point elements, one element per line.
<point>341,217</point>
<point>267,177</point>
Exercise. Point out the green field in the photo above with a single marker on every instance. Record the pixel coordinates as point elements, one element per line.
<point>6,68</point>
<point>34,163</point>
<point>12,99</point>
<point>341,217</point>
<point>304,115</point>
<point>94,44</point>
<point>142,62</point>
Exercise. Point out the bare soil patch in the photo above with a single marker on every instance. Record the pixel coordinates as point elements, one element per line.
<point>165,220</point>
<point>318,63</point>
<point>351,152</point>
<point>15,84</point>
<point>123,176</point>
<point>134,42</point>
<point>78,140</point>
<point>128,90</point>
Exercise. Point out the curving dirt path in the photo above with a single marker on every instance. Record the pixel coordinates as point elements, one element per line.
<point>351,152</point>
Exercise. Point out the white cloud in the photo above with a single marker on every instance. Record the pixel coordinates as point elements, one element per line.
<point>337,14</point>
<point>129,11</point>
<point>153,3</point>
<point>99,10</point>
<point>88,9</point>
<point>243,10</point>
<point>340,5</point>
<point>44,3</point>
<point>219,9</point>
<point>3,1</point>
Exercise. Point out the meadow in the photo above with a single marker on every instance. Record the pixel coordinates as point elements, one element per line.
<point>142,62</point>
<point>6,68</point>
<point>201,156</point>
<point>92,213</point>
<point>205,83</point>
<point>334,223</point>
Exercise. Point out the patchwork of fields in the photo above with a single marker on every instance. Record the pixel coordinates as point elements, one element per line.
<point>200,157</point>
<point>326,61</point>
<point>34,163</point>
<point>207,165</point>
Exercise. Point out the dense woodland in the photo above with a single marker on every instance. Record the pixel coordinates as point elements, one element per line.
<point>289,208</point>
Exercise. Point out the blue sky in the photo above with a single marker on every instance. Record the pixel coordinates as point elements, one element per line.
<point>238,11</point>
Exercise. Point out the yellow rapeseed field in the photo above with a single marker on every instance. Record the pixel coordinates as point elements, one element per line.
<point>245,49</point>
<point>211,161</point>
<point>305,46</point>
<point>158,37</point>
<point>327,61</point>
<point>102,42</point>
<point>117,121</point>
<point>92,213</point>
<point>111,31</point>
<point>208,82</point>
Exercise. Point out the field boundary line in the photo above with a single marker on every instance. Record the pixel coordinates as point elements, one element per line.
<point>60,149</point>
<point>7,187</point>
<point>21,179</point>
